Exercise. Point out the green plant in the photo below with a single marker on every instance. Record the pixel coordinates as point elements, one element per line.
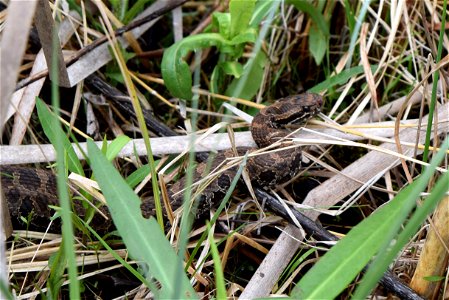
<point>233,31</point>
<point>143,237</point>
<point>373,236</point>
<point>230,33</point>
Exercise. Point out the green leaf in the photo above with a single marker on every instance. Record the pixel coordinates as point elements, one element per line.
<point>5,292</point>
<point>319,32</point>
<point>138,175</point>
<point>119,7</point>
<point>434,278</point>
<point>57,264</point>
<point>349,16</point>
<point>216,80</point>
<point>389,251</point>
<point>135,10</point>
<point>115,75</point>
<point>339,79</point>
<point>261,10</point>
<point>219,277</point>
<point>317,17</point>
<point>249,35</point>
<point>232,68</point>
<point>253,75</point>
<point>339,266</point>
<point>176,71</point>
<point>335,270</point>
<point>116,146</point>
<point>317,44</point>
<point>241,12</point>
<point>222,22</point>
<point>46,118</point>
<point>142,237</point>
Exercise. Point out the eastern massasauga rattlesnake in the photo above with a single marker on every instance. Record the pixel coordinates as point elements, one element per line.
<point>28,189</point>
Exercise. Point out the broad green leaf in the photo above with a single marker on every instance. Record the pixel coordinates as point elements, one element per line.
<point>241,12</point>
<point>115,75</point>
<point>4,290</point>
<point>339,79</point>
<point>222,22</point>
<point>339,266</point>
<point>176,71</point>
<point>249,35</point>
<point>253,75</point>
<point>232,68</point>
<point>142,237</point>
<point>317,17</point>
<point>46,118</point>
<point>389,251</point>
<point>317,44</point>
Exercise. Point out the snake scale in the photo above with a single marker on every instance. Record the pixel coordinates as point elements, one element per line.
<point>29,189</point>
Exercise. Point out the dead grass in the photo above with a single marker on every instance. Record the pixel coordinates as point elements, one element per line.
<point>360,154</point>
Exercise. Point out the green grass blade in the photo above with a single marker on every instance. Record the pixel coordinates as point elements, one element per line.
<point>143,237</point>
<point>116,256</point>
<point>345,260</point>
<point>116,146</point>
<point>54,133</point>
<point>219,277</point>
<point>56,264</point>
<point>384,258</point>
<point>63,151</point>
<point>339,79</point>
<point>435,85</point>
<point>220,208</point>
<point>5,292</point>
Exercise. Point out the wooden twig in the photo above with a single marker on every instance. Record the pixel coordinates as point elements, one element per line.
<point>91,47</point>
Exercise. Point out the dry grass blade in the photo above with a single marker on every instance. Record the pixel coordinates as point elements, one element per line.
<point>341,185</point>
<point>371,61</point>
<point>23,101</point>
<point>434,254</point>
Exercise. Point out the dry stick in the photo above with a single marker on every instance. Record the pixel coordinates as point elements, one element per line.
<point>326,195</point>
<point>124,104</point>
<point>15,36</point>
<point>171,5</point>
<point>439,65</point>
<point>23,101</point>
<point>45,28</point>
<point>388,280</point>
<point>434,255</point>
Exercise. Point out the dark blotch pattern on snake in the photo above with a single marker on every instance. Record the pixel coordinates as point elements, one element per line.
<point>28,189</point>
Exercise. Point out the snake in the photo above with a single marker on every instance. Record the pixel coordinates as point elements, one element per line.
<point>30,190</point>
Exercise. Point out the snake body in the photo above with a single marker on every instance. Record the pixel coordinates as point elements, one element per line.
<point>33,190</point>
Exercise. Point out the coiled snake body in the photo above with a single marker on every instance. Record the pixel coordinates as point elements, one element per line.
<point>29,189</point>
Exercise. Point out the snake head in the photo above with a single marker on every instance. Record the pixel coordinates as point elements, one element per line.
<point>296,109</point>
<point>271,123</point>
